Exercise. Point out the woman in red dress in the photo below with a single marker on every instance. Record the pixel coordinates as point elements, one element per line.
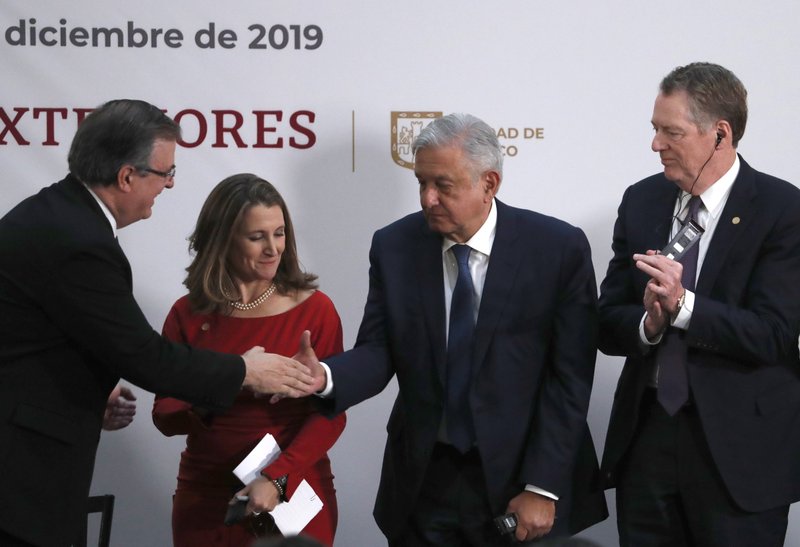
<point>246,288</point>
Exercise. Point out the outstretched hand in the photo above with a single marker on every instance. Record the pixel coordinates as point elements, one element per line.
<point>275,374</point>
<point>306,355</point>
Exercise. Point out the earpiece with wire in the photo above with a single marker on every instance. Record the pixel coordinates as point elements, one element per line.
<point>720,136</point>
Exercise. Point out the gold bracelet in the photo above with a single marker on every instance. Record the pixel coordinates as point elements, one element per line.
<point>681,300</point>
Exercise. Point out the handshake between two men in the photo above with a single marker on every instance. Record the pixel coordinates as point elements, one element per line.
<point>279,376</point>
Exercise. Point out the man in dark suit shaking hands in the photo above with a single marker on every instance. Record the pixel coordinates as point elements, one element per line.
<point>704,440</point>
<point>70,327</point>
<point>487,316</point>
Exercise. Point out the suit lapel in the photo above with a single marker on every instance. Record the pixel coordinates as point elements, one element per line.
<point>648,223</point>
<point>431,290</point>
<point>734,221</point>
<point>499,284</point>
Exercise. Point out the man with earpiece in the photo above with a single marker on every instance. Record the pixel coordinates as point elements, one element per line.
<point>702,298</point>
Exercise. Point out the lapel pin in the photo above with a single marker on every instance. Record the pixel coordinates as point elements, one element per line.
<point>736,220</point>
<point>205,327</point>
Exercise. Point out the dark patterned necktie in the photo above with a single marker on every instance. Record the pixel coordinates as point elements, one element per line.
<point>459,355</point>
<point>673,379</point>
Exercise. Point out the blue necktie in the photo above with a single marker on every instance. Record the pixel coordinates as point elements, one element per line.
<point>673,379</point>
<point>459,355</point>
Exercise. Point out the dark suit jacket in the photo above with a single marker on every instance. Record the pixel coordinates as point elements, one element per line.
<point>69,329</point>
<point>532,371</point>
<point>744,373</point>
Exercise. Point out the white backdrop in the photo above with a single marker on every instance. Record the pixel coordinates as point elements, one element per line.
<point>583,74</point>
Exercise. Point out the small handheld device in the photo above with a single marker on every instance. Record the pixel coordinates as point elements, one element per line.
<point>687,236</point>
<point>237,511</point>
<point>506,524</point>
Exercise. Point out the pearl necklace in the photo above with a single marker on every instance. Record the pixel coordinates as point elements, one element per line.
<point>255,303</point>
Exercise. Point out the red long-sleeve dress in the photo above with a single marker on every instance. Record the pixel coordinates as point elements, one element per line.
<point>216,445</point>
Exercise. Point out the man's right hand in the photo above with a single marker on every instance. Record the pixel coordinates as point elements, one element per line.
<point>308,357</point>
<point>658,314</point>
<point>665,274</point>
<point>269,373</point>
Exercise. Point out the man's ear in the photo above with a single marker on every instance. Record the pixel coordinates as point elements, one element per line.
<point>124,178</point>
<point>491,183</point>
<point>723,132</point>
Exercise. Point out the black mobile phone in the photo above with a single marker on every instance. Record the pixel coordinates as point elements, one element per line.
<point>506,524</point>
<point>686,237</point>
<point>237,511</point>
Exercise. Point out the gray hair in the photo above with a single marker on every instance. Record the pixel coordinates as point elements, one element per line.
<point>475,137</point>
<point>714,92</point>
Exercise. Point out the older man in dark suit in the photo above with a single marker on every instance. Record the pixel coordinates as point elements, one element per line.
<point>704,440</point>
<point>70,327</point>
<point>487,316</point>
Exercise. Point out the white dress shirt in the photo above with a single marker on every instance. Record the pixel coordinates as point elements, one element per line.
<point>714,199</point>
<point>106,211</point>
<point>481,244</point>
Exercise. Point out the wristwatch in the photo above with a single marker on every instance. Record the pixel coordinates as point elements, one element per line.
<point>280,485</point>
<point>681,300</point>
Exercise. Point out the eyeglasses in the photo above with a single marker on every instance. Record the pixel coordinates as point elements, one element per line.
<point>166,174</point>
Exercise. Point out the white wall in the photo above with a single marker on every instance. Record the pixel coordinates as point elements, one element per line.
<point>585,72</point>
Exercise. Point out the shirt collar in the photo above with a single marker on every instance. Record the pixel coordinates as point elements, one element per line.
<point>106,211</point>
<point>715,195</point>
<point>483,239</point>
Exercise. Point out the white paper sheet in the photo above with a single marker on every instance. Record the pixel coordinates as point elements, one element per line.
<point>261,456</point>
<point>291,516</point>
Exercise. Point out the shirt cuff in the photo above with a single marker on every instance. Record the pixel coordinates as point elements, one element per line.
<point>545,493</point>
<point>329,385</point>
<point>643,337</point>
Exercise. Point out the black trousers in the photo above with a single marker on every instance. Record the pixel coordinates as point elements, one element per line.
<point>671,494</point>
<point>453,509</point>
